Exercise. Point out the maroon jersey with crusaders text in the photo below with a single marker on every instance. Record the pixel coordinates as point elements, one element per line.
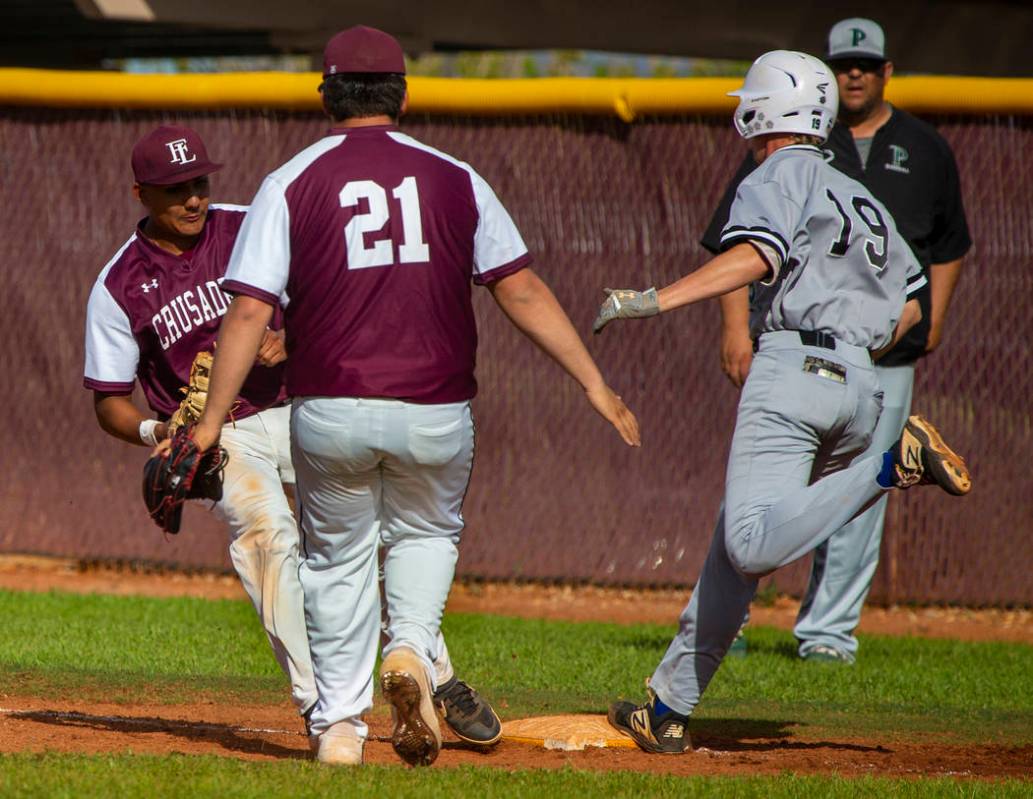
<point>150,312</point>
<point>370,239</point>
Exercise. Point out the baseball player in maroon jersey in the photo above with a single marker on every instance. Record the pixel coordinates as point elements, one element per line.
<point>158,303</point>
<point>369,239</point>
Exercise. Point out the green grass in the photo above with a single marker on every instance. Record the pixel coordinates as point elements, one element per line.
<point>133,649</point>
<point>899,686</point>
<point>74,776</point>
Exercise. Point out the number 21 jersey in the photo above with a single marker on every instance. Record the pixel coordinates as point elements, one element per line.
<point>370,240</point>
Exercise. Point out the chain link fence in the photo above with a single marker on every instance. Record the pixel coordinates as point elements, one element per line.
<point>555,495</point>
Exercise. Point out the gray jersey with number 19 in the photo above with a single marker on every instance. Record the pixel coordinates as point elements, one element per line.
<point>840,266</point>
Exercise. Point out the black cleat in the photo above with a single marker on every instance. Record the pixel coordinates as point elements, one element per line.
<point>921,456</point>
<point>467,714</point>
<point>663,735</point>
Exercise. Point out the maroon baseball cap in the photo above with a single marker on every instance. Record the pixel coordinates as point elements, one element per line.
<point>171,154</point>
<point>363,49</point>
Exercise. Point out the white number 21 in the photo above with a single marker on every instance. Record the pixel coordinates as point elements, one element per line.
<point>413,248</point>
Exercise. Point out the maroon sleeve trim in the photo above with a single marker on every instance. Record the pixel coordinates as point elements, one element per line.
<point>499,272</point>
<point>235,287</point>
<point>107,388</point>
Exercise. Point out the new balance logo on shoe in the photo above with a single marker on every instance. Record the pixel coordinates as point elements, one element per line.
<point>640,724</point>
<point>665,734</point>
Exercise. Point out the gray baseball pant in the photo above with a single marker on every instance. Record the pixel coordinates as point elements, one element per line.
<point>844,566</point>
<point>791,482</point>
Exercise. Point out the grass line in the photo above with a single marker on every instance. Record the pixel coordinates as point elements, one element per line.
<point>175,776</point>
<point>139,649</point>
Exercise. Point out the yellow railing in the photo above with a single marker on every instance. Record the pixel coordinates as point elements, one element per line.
<point>627,98</point>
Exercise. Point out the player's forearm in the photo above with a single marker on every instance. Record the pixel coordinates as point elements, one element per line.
<point>736,344</point>
<point>119,417</point>
<point>728,272</point>
<point>240,335</point>
<point>942,280</point>
<point>735,311</point>
<point>535,311</point>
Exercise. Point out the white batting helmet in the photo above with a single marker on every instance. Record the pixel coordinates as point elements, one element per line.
<point>787,92</point>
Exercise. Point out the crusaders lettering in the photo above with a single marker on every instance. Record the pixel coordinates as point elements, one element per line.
<point>192,308</point>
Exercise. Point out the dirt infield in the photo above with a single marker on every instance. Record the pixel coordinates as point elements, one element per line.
<point>272,733</point>
<point>262,732</point>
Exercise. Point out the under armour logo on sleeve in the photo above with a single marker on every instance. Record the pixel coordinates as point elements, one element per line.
<point>179,151</point>
<point>148,286</point>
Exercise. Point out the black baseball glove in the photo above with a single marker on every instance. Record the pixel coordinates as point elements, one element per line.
<point>181,473</point>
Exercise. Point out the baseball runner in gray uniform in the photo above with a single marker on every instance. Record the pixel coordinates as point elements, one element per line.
<point>831,280</point>
<point>910,168</point>
<point>155,305</point>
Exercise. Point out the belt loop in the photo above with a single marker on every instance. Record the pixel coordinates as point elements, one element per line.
<point>816,338</point>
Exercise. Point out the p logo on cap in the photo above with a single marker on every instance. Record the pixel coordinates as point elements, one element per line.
<point>856,38</point>
<point>171,154</point>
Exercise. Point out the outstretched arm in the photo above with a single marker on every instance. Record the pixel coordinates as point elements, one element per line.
<point>727,272</point>
<point>536,312</point>
<point>240,336</point>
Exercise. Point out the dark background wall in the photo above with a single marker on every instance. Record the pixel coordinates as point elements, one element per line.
<point>555,495</point>
<point>952,37</point>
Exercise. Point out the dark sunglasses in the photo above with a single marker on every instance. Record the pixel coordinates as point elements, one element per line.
<point>846,65</point>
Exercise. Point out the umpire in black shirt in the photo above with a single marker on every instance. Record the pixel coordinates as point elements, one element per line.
<point>910,168</point>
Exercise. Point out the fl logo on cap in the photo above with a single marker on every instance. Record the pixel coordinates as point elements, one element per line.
<point>180,152</point>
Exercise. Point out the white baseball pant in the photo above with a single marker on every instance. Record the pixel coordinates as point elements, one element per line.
<point>372,473</point>
<point>264,538</point>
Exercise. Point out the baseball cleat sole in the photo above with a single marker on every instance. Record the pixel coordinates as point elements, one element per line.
<point>943,465</point>
<point>413,738</point>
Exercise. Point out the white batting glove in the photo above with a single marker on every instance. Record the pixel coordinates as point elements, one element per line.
<point>626,304</point>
